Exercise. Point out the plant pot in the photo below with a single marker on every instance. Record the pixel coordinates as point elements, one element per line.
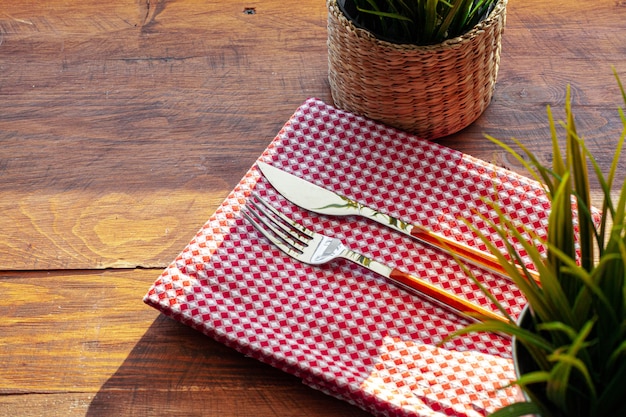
<point>523,361</point>
<point>521,357</point>
<point>431,91</point>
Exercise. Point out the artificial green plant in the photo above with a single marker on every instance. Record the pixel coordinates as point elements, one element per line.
<point>575,337</point>
<point>421,22</point>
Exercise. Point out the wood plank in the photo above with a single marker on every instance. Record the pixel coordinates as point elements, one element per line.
<point>123,125</point>
<point>83,343</point>
<point>67,229</point>
<point>132,121</point>
<point>158,122</point>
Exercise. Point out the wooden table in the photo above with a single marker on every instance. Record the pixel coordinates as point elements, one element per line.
<point>124,124</point>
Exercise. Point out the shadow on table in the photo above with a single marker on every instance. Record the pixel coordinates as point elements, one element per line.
<point>176,371</point>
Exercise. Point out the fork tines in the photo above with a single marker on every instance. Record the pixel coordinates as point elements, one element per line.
<point>274,225</point>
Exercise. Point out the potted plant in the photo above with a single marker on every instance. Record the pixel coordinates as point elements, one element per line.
<point>425,66</point>
<point>570,341</point>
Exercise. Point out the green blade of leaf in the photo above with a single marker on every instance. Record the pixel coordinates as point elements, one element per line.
<point>517,410</point>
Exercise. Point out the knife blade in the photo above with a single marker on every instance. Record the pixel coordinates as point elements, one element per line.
<point>322,201</point>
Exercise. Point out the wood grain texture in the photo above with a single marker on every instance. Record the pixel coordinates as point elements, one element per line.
<point>106,104</point>
<point>123,126</point>
<point>82,343</point>
<point>106,107</point>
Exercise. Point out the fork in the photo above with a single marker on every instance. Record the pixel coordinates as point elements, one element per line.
<point>314,248</point>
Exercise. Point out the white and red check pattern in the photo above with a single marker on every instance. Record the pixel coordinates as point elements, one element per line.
<point>340,328</point>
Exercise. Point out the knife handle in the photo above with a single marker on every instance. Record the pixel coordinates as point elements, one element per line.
<point>477,257</point>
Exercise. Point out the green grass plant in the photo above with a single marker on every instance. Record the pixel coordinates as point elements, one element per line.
<point>576,335</point>
<point>420,22</point>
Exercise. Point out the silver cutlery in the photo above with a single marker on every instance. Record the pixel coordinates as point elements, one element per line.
<point>322,201</point>
<point>314,248</point>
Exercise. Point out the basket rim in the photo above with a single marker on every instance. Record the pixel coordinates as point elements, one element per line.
<point>361,32</point>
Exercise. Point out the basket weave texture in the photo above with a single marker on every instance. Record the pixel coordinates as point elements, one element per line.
<point>431,91</point>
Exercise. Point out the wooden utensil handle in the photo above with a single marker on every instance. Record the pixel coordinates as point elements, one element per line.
<point>442,297</point>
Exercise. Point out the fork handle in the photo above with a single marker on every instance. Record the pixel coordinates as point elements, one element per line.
<point>441,297</point>
<point>414,284</point>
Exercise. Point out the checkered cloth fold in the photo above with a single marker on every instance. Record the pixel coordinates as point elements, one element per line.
<point>339,327</point>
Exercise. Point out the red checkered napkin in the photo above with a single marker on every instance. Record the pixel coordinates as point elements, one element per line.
<point>339,327</point>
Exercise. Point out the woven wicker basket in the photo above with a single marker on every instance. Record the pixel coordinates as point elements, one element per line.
<point>431,91</point>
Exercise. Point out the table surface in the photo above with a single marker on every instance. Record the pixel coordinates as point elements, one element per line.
<point>123,126</point>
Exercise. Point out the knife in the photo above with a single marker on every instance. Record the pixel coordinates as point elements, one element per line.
<point>322,201</point>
